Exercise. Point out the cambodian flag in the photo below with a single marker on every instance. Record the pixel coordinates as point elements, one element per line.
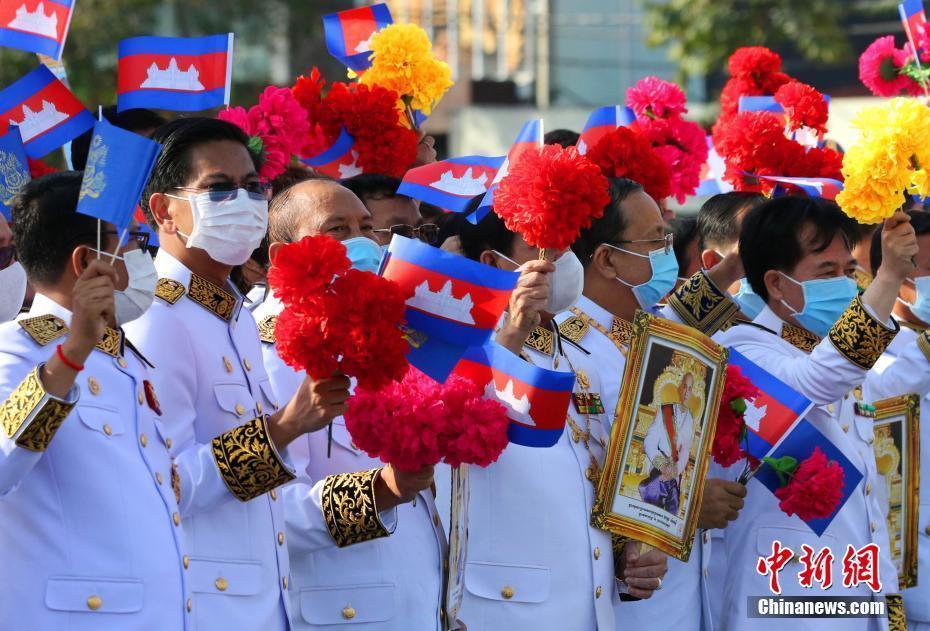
<point>914,20</point>
<point>774,412</point>
<point>529,138</point>
<point>340,161</point>
<point>451,184</point>
<point>455,302</point>
<point>119,163</point>
<point>37,26</point>
<point>799,444</point>
<point>348,34</point>
<point>712,181</point>
<point>536,399</point>
<point>47,113</point>
<point>184,74</point>
<point>824,187</point>
<point>14,169</point>
<point>601,122</point>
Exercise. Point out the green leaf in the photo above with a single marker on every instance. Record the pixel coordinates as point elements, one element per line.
<point>738,405</point>
<point>784,467</point>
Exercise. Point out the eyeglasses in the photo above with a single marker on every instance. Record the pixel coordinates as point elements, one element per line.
<point>428,232</point>
<point>667,241</point>
<point>141,238</point>
<point>226,191</point>
<point>7,256</point>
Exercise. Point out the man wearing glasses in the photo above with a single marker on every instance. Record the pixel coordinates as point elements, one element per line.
<point>225,427</point>
<point>390,213</point>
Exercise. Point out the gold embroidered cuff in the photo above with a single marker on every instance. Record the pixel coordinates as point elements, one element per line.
<point>248,461</point>
<point>923,343</point>
<point>31,416</point>
<point>895,610</point>
<point>349,508</point>
<point>860,337</point>
<point>702,306</point>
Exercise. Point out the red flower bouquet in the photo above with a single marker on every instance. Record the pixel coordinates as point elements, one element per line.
<point>730,435</point>
<point>804,106</point>
<point>883,68</point>
<point>419,422</point>
<point>550,195</point>
<point>336,319</point>
<point>627,152</point>
<point>811,490</point>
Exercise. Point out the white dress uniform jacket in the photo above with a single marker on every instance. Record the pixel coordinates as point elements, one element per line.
<point>89,523</point>
<point>380,582</point>
<point>825,372</point>
<point>534,560</point>
<point>215,395</point>
<point>903,369</point>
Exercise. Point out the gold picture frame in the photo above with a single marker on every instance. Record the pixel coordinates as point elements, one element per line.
<point>897,455</point>
<point>638,494</point>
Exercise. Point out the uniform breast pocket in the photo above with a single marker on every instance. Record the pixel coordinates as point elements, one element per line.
<point>94,595</point>
<point>271,399</point>
<point>235,399</point>
<point>103,419</point>
<point>514,583</point>
<point>225,576</point>
<point>350,604</point>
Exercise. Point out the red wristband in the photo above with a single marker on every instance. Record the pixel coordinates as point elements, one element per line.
<point>67,362</point>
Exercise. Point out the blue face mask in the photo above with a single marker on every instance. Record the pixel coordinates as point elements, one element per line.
<point>664,274</point>
<point>921,305</point>
<point>825,300</point>
<point>749,301</point>
<point>364,253</point>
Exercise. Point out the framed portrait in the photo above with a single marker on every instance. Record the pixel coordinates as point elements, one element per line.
<point>656,461</point>
<point>897,449</point>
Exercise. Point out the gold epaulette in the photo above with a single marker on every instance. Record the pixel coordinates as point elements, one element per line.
<point>542,340</point>
<point>701,305</point>
<point>44,329</point>
<point>248,461</point>
<point>266,328</point>
<point>859,337</point>
<point>169,290</point>
<point>574,329</point>
<point>350,509</point>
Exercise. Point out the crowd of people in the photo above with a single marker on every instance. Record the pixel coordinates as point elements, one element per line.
<point>162,467</point>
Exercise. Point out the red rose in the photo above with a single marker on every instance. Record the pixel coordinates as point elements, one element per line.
<point>815,490</point>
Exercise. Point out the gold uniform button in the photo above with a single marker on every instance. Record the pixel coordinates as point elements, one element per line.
<point>868,488</point>
<point>598,592</point>
<point>121,362</point>
<point>168,443</point>
<point>871,440</point>
<point>94,603</point>
<point>436,519</point>
<point>247,363</point>
<point>845,427</point>
<point>507,592</point>
<point>186,560</point>
<point>144,440</point>
<point>190,605</point>
<point>176,519</point>
<point>159,477</point>
<point>221,584</point>
<point>258,406</point>
<point>141,398</point>
<point>274,495</point>
<point>831,408</point>
<point>240,410</point>
<point>597,553</point>
<point>873,526</point>
<point>107,430</point>
<point>227,364</point>
<point>93,385</point>
<point>284,582</point>
<point>280,538</point>
<point>348,612</point>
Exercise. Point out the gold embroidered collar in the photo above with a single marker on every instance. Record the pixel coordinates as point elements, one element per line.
<point>47,328</point>
<point>620,333</point>
<point>266,328</point>
<point>112,342</point>
<point>798,337</point>
<point>541,339</point>
<point>212,297</point>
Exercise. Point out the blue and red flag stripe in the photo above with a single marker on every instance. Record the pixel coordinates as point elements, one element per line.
<point>712,171</point>
<point>40,90</point>
<point>15,34</point>
<point>601,122</point>
<point>914,20</point>
<point>348,32</point>
<point>800,444</point>
<point>824,187</point>
<point>548,393</point>
<point>783,405</point>
<point>210,57</point>
<point>529,138</point>
<point>337,155</point>
<point>451,184</point>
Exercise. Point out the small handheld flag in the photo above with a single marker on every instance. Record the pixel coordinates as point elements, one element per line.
<point>118,166</point>
<point>348,34</point>
<point>824,187</point>
<point>184,74</point>
<point>36,26</point>
<point>47,113</point>
<point>14,169</point>
<point>914,20</point>
<point>340,161</point>
<point>529,138</point>
<point>712,181</point>
<point>536,399</point>
<point>601,122</point>
<point>451,184</point>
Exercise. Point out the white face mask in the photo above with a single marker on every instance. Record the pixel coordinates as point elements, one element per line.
<point>139,294</point>
<point>12,291</point>
<point>228,230</point>
<point>565,284</point>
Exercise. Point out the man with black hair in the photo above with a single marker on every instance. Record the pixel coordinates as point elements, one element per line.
<point>139,120</point>
<point>89,521</point>
<point>390,213</point>
<point>819,336</point>
<point>903,369</point>
<point>228,429</point>
<point>686,243</point>
<point>562,137</point>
